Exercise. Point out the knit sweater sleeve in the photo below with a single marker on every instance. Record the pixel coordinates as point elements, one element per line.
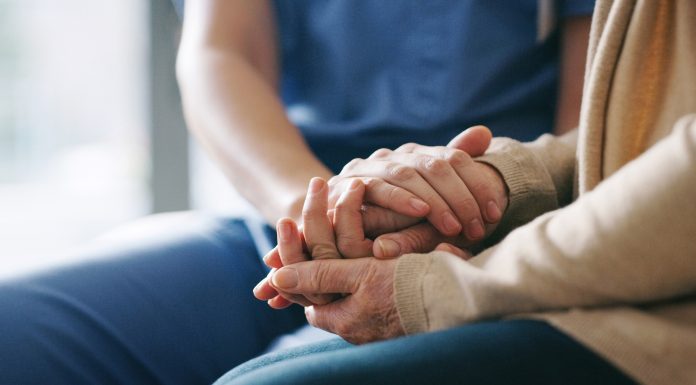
<point>539,176</point>
<point>629,241</point>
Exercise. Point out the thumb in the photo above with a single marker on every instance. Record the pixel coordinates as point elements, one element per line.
<point>325,276</point>
<point>474,140</point>
<point>420,238</point>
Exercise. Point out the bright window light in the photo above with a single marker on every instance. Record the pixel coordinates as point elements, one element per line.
<point>73,140</point>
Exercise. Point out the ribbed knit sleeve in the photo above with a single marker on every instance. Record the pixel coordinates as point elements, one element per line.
<point>539,176</point>
<point>614,245</point>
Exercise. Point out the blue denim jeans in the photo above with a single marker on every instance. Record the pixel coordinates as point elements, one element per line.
<point>500,352</point>
<point>172,305</point>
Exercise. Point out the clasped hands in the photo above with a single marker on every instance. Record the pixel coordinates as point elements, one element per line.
<point>414,199</point>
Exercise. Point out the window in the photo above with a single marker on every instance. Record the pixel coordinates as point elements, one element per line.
<point>73,123</point>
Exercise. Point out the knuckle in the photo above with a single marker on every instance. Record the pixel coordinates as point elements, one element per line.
<point>435,166</point>
<point>408,147</point>
<point>395,195</point>
<point>353,164</point>
<point>345,245</point>
<point>381,153</point>
<point>468,206</point>
<point>324,251</point>
<point>334,180</point>
<point>342,205</point>
<point>348,244</point>
<point>401,173</point>
<point>481,189</point>
<point>458,158</point>
<point>372,183</point>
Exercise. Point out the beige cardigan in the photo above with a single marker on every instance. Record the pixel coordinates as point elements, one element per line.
<point>616,268</point>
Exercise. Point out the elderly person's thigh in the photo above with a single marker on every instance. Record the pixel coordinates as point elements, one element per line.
<point>501,352</point>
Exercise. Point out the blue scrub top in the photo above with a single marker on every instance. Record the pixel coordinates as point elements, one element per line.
<point>358,75</point>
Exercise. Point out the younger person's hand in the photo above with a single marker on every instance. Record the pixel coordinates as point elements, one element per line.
<point>447,178</point>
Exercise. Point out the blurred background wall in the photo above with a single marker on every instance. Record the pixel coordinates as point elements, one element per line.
<point>91,130</point>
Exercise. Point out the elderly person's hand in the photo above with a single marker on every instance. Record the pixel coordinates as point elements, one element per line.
<point>365,313</point>
<point>318,238</point>
<point>356,298</point>
<point>361,289</point>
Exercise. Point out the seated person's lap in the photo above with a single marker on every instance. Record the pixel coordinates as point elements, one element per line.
<point>172,306</point>
<point>502,352</point>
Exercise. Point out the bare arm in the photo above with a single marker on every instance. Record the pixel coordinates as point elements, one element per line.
<point>228,73</point>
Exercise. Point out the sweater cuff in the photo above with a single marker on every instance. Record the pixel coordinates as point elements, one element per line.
<point>408,291</point>
<point>531,191</point>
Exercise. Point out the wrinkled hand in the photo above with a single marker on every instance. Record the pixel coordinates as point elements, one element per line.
<point>317,240</point>
<point>353,298</point>
<point>457,190</point>
<point>367,311</point>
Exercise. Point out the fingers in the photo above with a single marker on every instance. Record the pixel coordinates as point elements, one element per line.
<point>348,222</point>
<point>278,302</point>
<point>407,177</point>
<point>378,221</point>
<point>289,246</point>
<point>483,191</point>
<point>420,238</point>
<point>264,291</point>
<point>383,194</point>
<point>440,167</point>
<point>322,276</point>
<point>480,181</point>
<point>474,140</point>
<point>318,229</point>
<point>446,247</point>
<point>272,259</point>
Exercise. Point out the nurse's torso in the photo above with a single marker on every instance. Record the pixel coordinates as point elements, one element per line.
<point>363,74</point>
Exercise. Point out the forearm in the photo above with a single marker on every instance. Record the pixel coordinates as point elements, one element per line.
<point>629,241</point>
<point>235,113</point>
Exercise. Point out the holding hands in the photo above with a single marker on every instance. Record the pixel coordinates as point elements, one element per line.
<point>385,198</point>
<point>464,200</point>
<point>350,297</point>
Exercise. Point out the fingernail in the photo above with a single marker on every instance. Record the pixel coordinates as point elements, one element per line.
<point>475,229</point>
<point>389,248</point>
<point>315,185</point>
<point>419,205</point>
<point>452,225</point>
<point>258,285</point>
<point>493,211</point>
<point>285,278</point>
